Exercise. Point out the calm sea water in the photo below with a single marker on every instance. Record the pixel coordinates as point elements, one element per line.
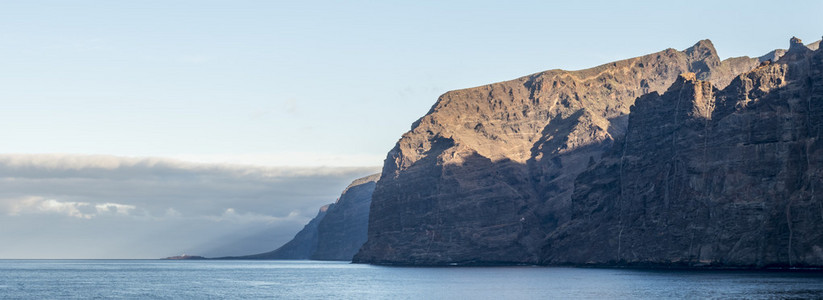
<point>151,279</point>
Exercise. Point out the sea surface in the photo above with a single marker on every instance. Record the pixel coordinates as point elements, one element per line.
<point>165,279</point>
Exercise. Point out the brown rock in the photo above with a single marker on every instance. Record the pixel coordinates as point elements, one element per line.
<point>707,177</point>
<point>489,172</point>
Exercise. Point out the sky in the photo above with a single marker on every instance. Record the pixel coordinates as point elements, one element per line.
<point>192,125</point>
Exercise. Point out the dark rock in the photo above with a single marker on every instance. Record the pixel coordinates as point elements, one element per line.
<point>795,44</point>
<point>797,50</point>
<point>343,231</point>
<point>774,55</point>
<point>185,257</point>
<point>709,178</point>
<point>489,172</point>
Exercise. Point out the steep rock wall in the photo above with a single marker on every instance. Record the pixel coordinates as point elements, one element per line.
<point>489,172</point>
<point>708,177</point>
<point>343,231</point>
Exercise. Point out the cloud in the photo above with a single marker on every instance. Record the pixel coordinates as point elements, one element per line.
<point>82,210</point>
<point>169,204</point>
<point>231,215</point>
<point>34,204</point>
<point>322,162</point>
<point>172,213</point>
<point>114,208</point>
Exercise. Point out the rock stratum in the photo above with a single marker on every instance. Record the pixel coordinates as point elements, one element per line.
<point>541,170</point>
<point>336,233</point>
<point>709,177</point>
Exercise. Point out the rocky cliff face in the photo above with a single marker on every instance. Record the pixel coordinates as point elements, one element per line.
<point>343,231</point>
<point>708,177</point>
<point>489,172</point>
<point>338,230</point>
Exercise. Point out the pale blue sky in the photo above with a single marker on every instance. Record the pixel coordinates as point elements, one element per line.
<point>300,82</point>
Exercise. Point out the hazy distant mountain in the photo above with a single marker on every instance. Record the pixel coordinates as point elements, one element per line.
<point>301,246</point>
<point>338,230</point>
<point>490,174</point>
<point>343,231</point>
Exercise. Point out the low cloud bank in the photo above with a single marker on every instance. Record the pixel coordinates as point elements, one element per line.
<point>84,206</point>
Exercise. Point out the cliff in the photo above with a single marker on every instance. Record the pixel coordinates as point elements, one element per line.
<point>708,177</point>
<point>343,231</point>
<point>489,172</point>
<point>338,230</point>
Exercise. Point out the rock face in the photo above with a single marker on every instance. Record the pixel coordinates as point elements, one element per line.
<point>708,177</point>
<point>338,230</point>
<point>343,231</point>
<point>489,172</point>
<point>778,53</point>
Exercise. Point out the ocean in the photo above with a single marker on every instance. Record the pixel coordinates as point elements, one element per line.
<point>168,279</point>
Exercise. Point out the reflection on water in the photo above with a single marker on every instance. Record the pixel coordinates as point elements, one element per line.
<point>310,279</point>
